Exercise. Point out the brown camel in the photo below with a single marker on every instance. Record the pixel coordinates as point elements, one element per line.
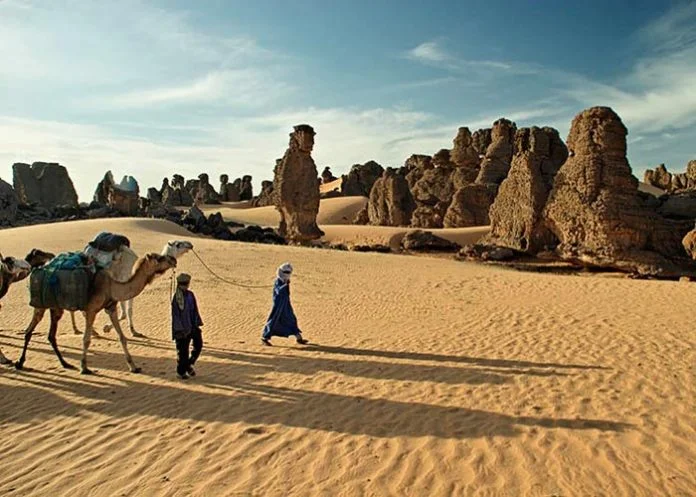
<point>11,271</point>
<point>105,294</point>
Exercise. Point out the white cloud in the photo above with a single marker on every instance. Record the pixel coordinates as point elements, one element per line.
<point>245,87</point>
<point>429,52</point>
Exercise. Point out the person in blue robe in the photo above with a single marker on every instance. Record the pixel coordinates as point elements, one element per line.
<point>282,321</point>
<point>186,327</point>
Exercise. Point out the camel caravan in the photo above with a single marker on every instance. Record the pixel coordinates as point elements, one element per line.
<point>106,274</point>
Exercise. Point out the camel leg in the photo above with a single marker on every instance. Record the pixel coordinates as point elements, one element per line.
<point>124,342</point>
<point>129,307</point>
<point>124,310</point>
<point>38,316</point>
<point>76,330</point>
<point>3,359</point>
<point>86,341</point>
<point>56,314</point>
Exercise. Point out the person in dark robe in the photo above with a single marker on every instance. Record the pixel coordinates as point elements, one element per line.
<point>282,321</point>
<point>186,327</point>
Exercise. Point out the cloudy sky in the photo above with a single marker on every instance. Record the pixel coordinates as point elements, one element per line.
<point>150,88</point>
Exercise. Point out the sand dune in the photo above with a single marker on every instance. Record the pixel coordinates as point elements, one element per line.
<point>339,210</point>
<point>430,377</point>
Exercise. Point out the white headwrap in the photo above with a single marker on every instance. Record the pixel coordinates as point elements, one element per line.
<point>284,272</point>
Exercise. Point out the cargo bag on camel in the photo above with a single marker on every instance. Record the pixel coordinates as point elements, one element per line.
<point>64,283</point>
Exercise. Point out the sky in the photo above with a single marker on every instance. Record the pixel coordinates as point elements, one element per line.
<point>153,88</point>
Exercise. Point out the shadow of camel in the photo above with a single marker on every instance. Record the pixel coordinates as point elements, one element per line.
<point>246,401</point>
<point>310,364</point>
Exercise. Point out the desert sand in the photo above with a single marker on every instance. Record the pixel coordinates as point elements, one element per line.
<point>428,377</point>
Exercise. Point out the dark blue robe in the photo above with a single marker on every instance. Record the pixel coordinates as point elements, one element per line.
<point>282,321</point>
<point>185,321</point>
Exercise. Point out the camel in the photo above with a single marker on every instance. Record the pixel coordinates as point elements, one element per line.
<point>105,294</point>
<point>11,271</point>
<point>121,270</point>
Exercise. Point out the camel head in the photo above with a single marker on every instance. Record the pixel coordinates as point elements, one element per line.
<point>177,248</point>
<point>37,258</point>
<point>155,265</point>
<point>18,269</point>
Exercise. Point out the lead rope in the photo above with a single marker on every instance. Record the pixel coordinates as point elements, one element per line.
<point>229,282</point>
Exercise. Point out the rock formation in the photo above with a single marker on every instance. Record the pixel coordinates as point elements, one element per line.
<point>481,140</point>
<point>464,154</point>
<point>176,195</point>
<point>516,215</point>
<point>390,203</point>
<point>9,203</point>
<point>470,205</point>
<point>659,177</point>
<point>689,243</point>
<point>327,176</point>
<point>595,209</point>
<point>419,240</point>
<point>124,197</point>
<point>433,194</point>
<point>360,179</point>
<point>415,166</point>
<point>265,197</point>
<point>246,190</point>
<point>45,184</point>
<point>229,192</point>
<point>496,163</point>
<point>204,192</point>
<point>296,188</point>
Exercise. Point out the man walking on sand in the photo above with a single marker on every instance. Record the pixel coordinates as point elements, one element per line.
<point>282,321</point>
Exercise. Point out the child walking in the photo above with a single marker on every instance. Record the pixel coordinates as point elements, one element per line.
<point>186,327</point>
<point>282,321</point>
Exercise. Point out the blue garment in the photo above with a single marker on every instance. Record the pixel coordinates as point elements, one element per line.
<point>185,321</point>
<point>282,321</point>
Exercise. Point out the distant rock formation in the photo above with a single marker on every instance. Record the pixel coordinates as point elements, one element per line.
<point>517,214</point>
<point>595,209</point>
<point>659,177</point>
<point>229,192</point>
<point>246,189</point>
<point>360,179</point>
<point>45,184</point>
<point>390,203</point>
<point>327,176</point>
<point>124,197</point>
<point>264,198</point>
<point>496,163</point>
<point>204,193</point>
<point>176,195</point>
<point>296,188</point>
<point>9,202</point>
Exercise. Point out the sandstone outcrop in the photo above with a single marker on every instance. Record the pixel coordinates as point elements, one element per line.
<point>517,213</point>
<point>470,205</point>
<point>229,192</point>
<point>390,203</point>
<point>204,193</point>
<point>45,184</point>
<point>425,241</point>
<point>123,198</point>
<point>496,162</point>
<point>246,189</point>
<point>360,179</point>
<point>264,198</point>
<point>327,176</point>
<point>595,209</point>
<point>296,188</point>
<point>9,202</point>
<point>433,194</point>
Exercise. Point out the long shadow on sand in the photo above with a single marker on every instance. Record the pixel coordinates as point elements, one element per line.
<point>421,356</point>
<point>237,391</point>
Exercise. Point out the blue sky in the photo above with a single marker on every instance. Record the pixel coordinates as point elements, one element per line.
<point>151,88</point>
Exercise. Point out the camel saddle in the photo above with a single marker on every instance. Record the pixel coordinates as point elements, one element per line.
<point>104,247</point>
<point>64,283</point>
